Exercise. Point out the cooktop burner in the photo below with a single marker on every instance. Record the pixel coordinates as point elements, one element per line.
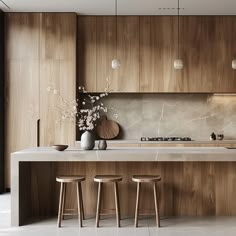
<point>166,139</point>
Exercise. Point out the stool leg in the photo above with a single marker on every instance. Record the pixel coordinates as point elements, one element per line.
<point>98,204</point>
<point>79,205</point>
<point>117,204</point>
<point>156,205</point>
<point>63,201</point>
<point>60,206</point>
<point>82,203</point>
<point>137,205</point>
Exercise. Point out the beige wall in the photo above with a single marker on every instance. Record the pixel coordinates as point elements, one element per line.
<point>194,115</point>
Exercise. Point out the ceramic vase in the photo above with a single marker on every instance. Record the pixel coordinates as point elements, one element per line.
<point>102,145</point>
<point>87,141</point>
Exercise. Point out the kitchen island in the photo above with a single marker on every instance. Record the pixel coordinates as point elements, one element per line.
<point>195,180</point>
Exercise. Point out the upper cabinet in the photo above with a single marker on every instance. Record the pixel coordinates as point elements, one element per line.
<point>217,52</point>
<point>128,51</point>
<point>58,34</point>
<point>99,42</point>
<point>147,47</point>
<point>87,53</point>
<point>158,50</point>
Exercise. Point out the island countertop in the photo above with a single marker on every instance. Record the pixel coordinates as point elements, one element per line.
<point>128,154</point>
<point>207,170</point>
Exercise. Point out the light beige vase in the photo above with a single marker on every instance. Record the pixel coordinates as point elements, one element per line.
<point>87,141</point>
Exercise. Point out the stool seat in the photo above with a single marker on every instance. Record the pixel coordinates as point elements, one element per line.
<point>70,179</point>
<point>107,178</point>
<point>146,178</point>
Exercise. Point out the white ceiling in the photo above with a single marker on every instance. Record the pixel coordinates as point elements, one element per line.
<point>125,7</point>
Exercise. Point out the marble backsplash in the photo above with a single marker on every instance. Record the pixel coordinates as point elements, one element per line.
<point>193,115</point>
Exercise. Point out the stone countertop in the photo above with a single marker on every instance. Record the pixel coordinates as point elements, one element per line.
<point>199,141</point>
<point>164,154</point>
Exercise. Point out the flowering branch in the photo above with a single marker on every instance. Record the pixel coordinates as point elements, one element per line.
<point>86,117</point>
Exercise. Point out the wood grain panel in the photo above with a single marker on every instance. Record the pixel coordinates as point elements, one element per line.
<point>59,74</point>
<point>22,107</point>
<point>58,36</point>
<point>106,51</point>
<point>217,53</point>
<point>158,50</point>
<point>191,50</point>
<point>186,188</point>
<point>22,35</point>
<point>86,65</point>
<point>128,54</point>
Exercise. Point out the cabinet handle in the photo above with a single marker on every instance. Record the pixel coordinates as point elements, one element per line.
<point>38,133</point>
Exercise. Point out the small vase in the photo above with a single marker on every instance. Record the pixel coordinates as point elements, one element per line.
<point>102,145</point>
<point>87,141</point>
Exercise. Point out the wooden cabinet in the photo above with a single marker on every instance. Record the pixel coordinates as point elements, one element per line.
<point>127,79</point>
<point>57,69</point>
<point>87,53</point>
<point>58,34</point>
<point>21,83</point>
<point>106,51</point>
<point>61,75</point>
<point>98,44</point>
<point>158,37</point>
<point>40,52</point>
<point>217,53</point>
<point>147,47</point>
<point>190,51</point>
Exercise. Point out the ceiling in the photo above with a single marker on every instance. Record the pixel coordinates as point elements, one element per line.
<point>125,7</point>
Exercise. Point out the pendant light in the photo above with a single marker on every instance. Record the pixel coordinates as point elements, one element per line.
<point>178,63</point>
<point>234,64</point>
<point>115,64</point>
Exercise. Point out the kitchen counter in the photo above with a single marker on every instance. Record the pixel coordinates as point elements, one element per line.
<point>193,143</point>
<point>195,180</point>
<point>128,154</point>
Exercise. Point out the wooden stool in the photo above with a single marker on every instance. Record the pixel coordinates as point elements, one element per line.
<point>65,180</point>
<point>108,179</point>
<point>146,179</point>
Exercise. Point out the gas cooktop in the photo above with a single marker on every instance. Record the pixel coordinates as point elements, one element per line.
<point>166,139</point>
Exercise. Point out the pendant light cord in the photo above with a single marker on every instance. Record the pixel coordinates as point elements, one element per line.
<point>178,29</point>
<point>116,29</point>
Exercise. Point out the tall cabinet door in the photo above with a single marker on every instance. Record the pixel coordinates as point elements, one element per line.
<point>127,79</point>
<point>217,53</point>
<point>22,83</point>
<point>57,70</point>
<point>191,50</point>
<point>87,53</point>
<point>158,50</point>
<point>106,51</point>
